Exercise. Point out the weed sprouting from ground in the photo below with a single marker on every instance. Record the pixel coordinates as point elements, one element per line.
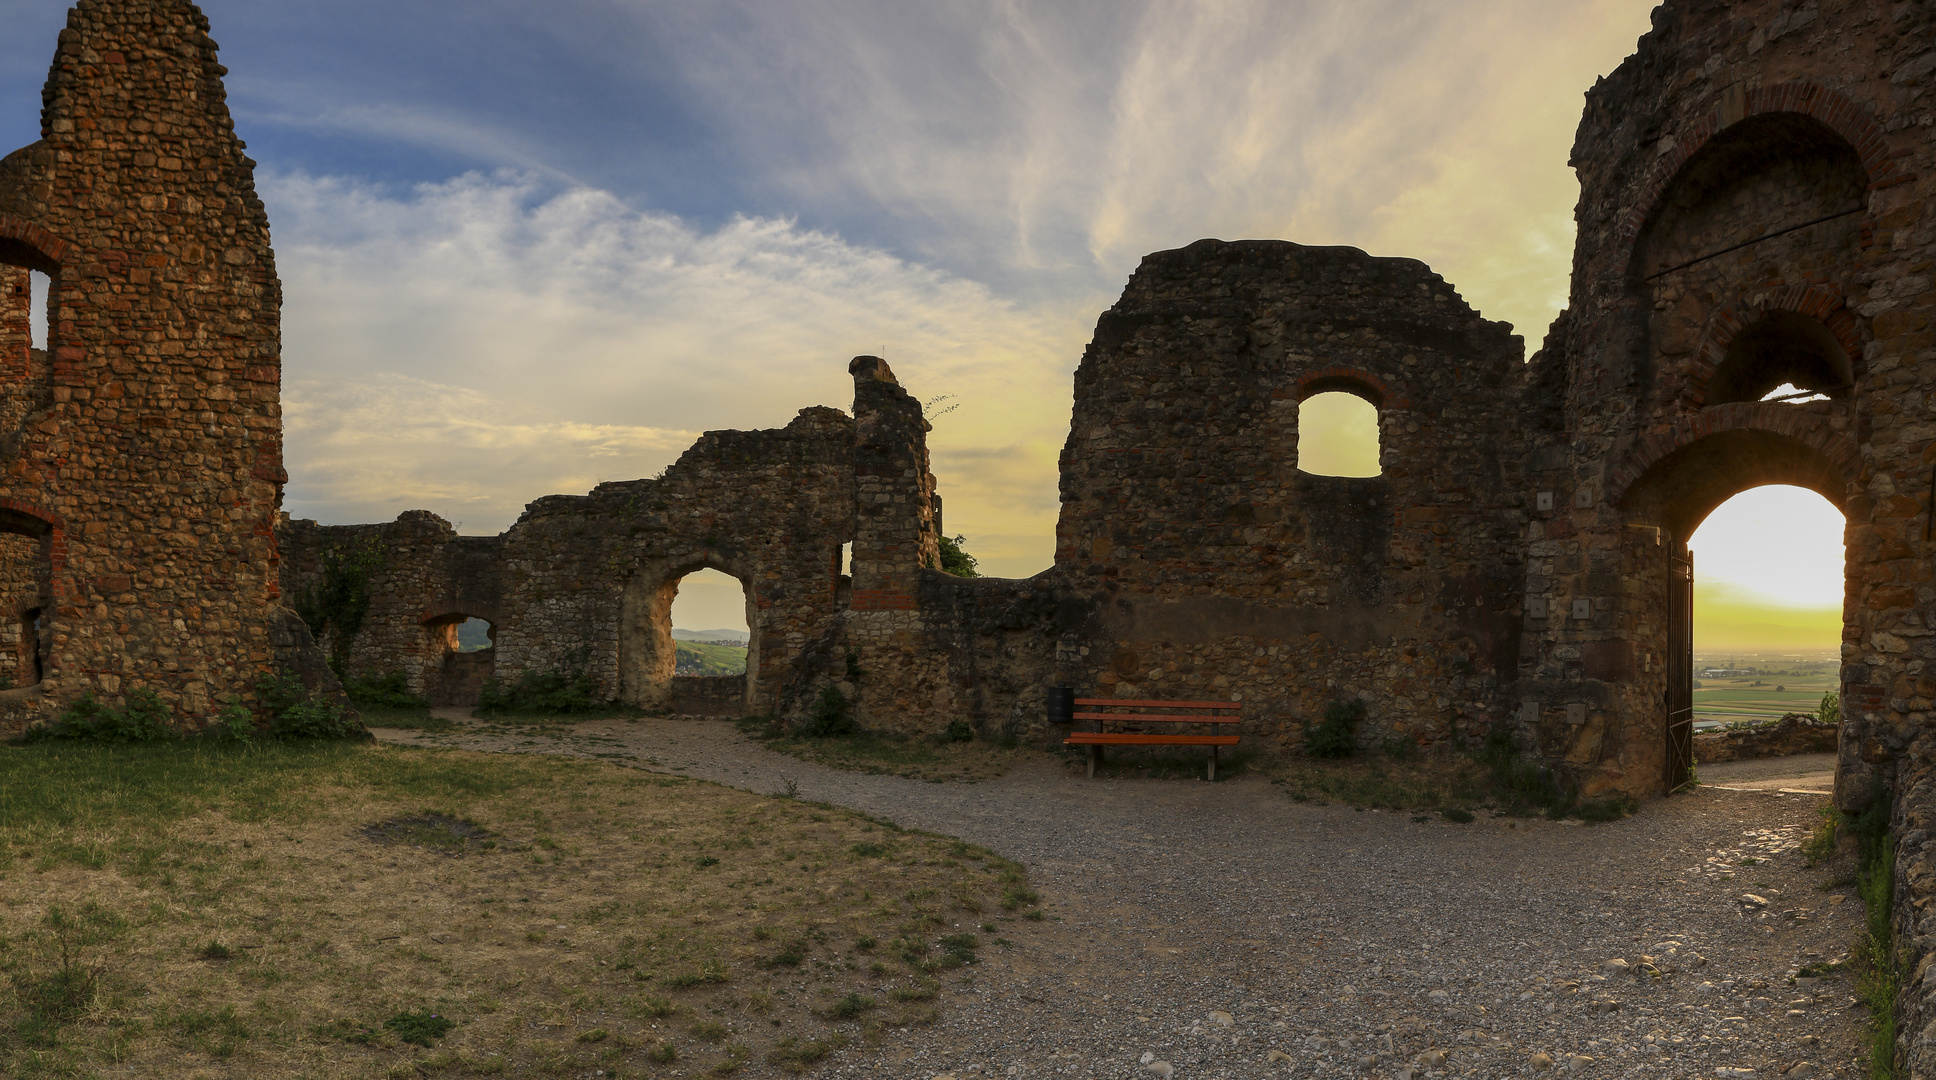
<point>1337,735</point>
<point>1495,777</point>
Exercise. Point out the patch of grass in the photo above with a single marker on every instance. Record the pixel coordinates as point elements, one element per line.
<point>1457,814</point>
<point>261,848</point>
<point>1820,845</point>
<point>919,757</point>
<point>797,1056</point>
<point>849,1008</point>
<point>419,1026</point>
<point>1495,777</point>
<point>216,1032</point>
<point>711,1031</point>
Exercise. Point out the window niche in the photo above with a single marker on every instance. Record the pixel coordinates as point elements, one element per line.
<point>1337,433</point>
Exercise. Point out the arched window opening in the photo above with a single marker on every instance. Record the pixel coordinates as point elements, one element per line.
<point>475,635</point>
<point>463,657</point>
<point>1768,589</point>
<point>24,582</point>
<point>1755,191</point>
<point>39,287</point>
<point>1337,435</point>
<point>709,629</point>
<point>1782,357</point>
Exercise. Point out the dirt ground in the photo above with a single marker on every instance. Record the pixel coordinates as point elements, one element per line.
<point>1229,931</point>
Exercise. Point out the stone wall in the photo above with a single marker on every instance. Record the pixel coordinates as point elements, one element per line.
<point>141,454</point>
<point>585,582</point>
<point>1795,733</point>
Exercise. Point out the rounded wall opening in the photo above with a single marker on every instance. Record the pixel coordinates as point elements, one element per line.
<point>1678,494</point>
<point>1781,350</point>
<point>650,672</point>
<point>461,656</point>
<point>1338,431</point>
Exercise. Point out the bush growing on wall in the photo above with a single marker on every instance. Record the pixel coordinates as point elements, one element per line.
<point>1337,736</point>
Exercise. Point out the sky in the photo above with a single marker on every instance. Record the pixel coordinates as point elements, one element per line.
<point>529,247</point>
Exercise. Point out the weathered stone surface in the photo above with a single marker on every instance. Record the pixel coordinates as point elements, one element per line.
<point>141,453</point>
<point>1796,733</point>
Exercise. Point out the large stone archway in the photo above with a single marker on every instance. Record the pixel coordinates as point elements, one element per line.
<point>645,647</point>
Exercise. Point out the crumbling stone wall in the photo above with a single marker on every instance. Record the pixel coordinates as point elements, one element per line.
<point>141,457</point>
<point>1755,209</point>
<point>1210,567</point>
<point>586,582</point>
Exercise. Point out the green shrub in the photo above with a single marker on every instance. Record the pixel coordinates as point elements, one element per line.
<point>390,691</point>
<point>295,712</point>
<point>829,715</point>
<point>144,719</point>
<point>955,559</point>
<point>1831,708</point>
<point>1337,735</point>
<point>959,731</point>
<point>235,723</point>
<point>562,691</point>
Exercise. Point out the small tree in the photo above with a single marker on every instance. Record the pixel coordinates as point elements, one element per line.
<point>1831,708</point>
<point>956,560</point>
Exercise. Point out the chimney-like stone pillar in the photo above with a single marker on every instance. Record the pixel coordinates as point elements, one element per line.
<point>894,504</point>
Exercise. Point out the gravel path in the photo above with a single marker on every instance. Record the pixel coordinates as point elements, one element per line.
<point>1222,930</point>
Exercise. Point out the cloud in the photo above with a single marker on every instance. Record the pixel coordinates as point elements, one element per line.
<point>1049,145</point>
<point>469,346</point>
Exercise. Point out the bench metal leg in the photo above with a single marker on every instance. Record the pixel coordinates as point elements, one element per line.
<point>1213,764</point>
<point>1095,759</point>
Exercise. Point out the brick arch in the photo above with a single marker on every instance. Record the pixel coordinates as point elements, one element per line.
<point>1836,111</point>
<point>1350,380</point>
<point>1805,427</point>
<point>36,247</point>
<point>446,609</point>
<point>1818,302</point>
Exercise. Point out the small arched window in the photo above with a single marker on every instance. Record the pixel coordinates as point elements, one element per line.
<point>1781,356</point>
<point>1337,435</point>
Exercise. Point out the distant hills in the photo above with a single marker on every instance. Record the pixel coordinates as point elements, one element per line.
<point>709,635</point>
<point>697,658</point>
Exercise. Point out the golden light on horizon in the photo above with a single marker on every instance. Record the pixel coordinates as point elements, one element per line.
<point>1768,568</point>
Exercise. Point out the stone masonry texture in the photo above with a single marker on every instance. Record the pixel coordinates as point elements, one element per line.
<point>141,451</point>
<point>1755,211</point>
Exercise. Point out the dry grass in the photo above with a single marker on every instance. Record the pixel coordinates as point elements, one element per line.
<point>326,910</point>
<point>919,757</point>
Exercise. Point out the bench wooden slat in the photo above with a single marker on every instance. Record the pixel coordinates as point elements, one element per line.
<point>1105,738</point>
<point>1157,718</point>
<point>1120,703</point>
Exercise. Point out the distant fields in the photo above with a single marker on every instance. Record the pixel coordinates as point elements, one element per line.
<point>1785,687</point>
<point>697,658</point>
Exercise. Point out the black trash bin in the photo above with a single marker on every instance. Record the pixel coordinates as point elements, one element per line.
<point>1062,705</point>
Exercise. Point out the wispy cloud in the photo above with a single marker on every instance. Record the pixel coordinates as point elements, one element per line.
<point>472,345</point>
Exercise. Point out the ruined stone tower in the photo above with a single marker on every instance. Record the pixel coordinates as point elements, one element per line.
<point>141,454</point>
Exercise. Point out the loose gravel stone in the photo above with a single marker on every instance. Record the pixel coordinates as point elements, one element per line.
<point>1330,936</point>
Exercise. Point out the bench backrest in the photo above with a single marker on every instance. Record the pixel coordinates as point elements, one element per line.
<point>1164,712</point>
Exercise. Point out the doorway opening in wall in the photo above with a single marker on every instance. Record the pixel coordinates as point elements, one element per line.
<point>25,583</point>
<point>689,641</point>
<point>463,657</point>
<point>1767,625</point>
<point>709,631</point>
<point>1337,435</point>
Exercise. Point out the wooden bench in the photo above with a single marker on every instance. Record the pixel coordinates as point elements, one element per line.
<point>1167,712</point>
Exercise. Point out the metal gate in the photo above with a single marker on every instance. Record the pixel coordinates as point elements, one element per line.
<point>1680,668</point>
